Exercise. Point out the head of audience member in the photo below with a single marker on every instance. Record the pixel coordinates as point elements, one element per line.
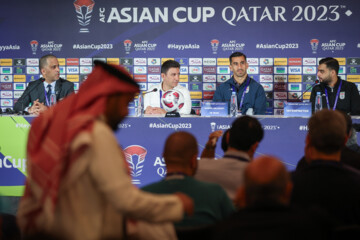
<point>225,140</point>
<point>326,137</point>
<point>49,68</point>
<point>266,182</point>
<point>350,131</point>
<point>238,65</point>
<point>170,73</point>
<point>180,153</point>
<point>328,70</point>
<point>245,135</point>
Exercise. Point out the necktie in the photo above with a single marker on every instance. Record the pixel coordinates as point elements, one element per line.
<point>48,92</point>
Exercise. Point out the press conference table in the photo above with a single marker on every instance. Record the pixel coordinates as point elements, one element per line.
<point>284,138</point>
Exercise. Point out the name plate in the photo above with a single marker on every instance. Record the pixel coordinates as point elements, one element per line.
<point>214,109</point>
<point>297,109</point>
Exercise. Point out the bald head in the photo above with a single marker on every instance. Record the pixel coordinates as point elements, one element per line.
<point>266,180</point>
<point>180,148</point>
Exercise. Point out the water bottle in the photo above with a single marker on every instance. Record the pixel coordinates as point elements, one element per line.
<point>233,105</point>
<point>52,97</point>
<point>140,105</point>
<point>318,102</point>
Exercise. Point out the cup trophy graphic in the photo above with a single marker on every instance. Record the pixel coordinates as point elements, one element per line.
<point>314,45</point>
<point>213,125</point>
<point>135,156</point>
<point>34,44</point>
<point>84,9</point>
<point>127,45</point>
<point>214,45</point>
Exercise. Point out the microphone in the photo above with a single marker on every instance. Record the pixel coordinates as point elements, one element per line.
<point>154,90</point>
<point>298,99</point>
<point>25,94</point>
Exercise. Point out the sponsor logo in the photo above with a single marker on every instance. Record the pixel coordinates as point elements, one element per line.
<point>223,62</point>
<point>32,70</point>
<point>154,78</point>
<point>76,86</point>
<point>278,111</point>
<point>73,78</point>
<point>208,95</point>
<point>6,102</point>
<point>115,61</point>
<point>222,78</point>
<point>195,86</point>
<point>165,59</point>
<point>353,78</point>
<point>342,61</point>
<point>195,61</point>
<point>209,78</point>
<point>19,70</point>
<point>266,61</point>
<point>280,86</point>
<point>154,61</point>
<point>6,62</point>
<point>126,61</point>
<point>253,61</point>
<point>135,156</point>
<point>72,61</point>
<point>196,95</point>
<point>85,61</point>
<point>6,86</point>
<point>83,9</point>
<point>209,70</point>
<point>214,45</point>
<point>309,61</point>
<point>353,61</point>
<point>185,85</point>
<point>295,61</point>
<point>184,70</point>
<point>140,78</point>
<point>309,70</point>
<point>19,86</point>
<point>278,104</point>
<point>6,70</point>
<point>72,70</point>
<point>294,95</point>
<point>294,87</point>
<point>280,61</point>
<point>154,70</point>
<point>196,78</point>
<point>280,70</point>
<point>85,70</point>
<point>295,70</point>
<point>195,70</point>
<point>62,70</point>
<point>353,70</point>
<point>267,86</point>
<point>314,43</point>
<point>280,78</point>
<point>183,61</point>
<point>62,61</point>
<point>184,78</point>
<point>266,70</point>
<point>309,78</point>
<point>140,70</point>
<point>223,70</point>
<point>253,70</point>
<point>139,61</point>
<point>6,94</point>
<point>209,61</point>
<point>20,78</point>
<point>266,78</point>
<point>280,95</point>
<point>32,62</point>
<point>295,78</point>
<point>19,61</point>
<point>142,86</point>
<point>209,86</point>
<point>333,45</point>
<point>34,45</point>
<point>29,78</point>
<point>233,46</point>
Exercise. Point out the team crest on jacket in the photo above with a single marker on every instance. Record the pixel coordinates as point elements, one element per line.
<point>342,95</point>
<point>247,89</point>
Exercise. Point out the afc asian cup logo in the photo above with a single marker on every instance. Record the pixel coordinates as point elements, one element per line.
<point>34,44</point>
<point>214,45</point>
<point>213,125</point>
<point>135,156</point>
<point>314,45</point>
<point>127,45</point>
<point>84,9</point>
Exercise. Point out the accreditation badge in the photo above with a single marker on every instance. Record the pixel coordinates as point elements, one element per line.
<point>342,95</point>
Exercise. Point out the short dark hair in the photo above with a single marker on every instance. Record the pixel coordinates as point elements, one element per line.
<point>236,54</point>
<point>43,60</point>
<point>224,141</point>
<point>331,63</point>
<point>244,132</point>
<point>327,131</point>
<point>169,64</point>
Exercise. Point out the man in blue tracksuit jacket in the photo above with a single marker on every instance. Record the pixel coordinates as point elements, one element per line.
<point>254,95</point>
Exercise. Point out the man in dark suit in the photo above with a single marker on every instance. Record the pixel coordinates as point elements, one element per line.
<point>37,93</point>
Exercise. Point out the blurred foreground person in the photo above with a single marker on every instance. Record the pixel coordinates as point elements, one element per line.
<point>78,186</point>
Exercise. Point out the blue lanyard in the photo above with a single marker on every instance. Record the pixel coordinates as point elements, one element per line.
<point>336,99</point>
<point>46,98</point>
<point>160,98</point>
<point>243,94</point>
